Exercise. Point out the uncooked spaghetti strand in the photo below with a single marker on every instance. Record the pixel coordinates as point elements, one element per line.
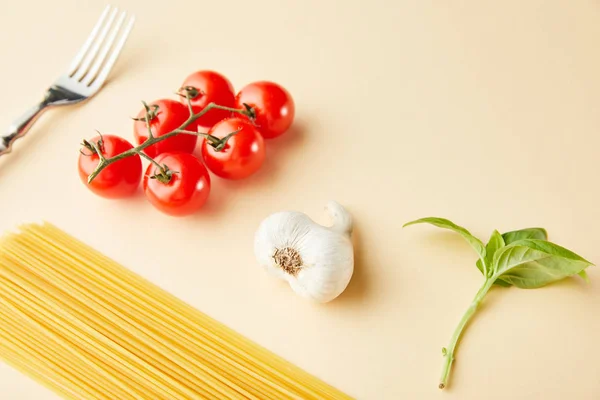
<point>89,302</point>
<point>52,350</point>
<point>71,271</point>
<point>281,389</point>
<point>11,345</point>
<point>272,370</point>
<point>88,344</point>
<point>48,354</point>
<point>78,355</point>
<point>247,387</point>
<point>324,386</point>
<point>104,345</point>
<point>310,377</point>
<point>41,374</point>
<point>73,290</point>
<point>92,354</point>
<point>85,337</point>
<point>95,291</point>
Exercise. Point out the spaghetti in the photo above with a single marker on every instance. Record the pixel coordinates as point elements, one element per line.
<point>89,329</point>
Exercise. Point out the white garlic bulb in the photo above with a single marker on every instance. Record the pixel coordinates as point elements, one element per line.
<point>316,261</point>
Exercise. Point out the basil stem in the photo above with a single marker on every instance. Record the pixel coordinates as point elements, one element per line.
<point>451,349</point>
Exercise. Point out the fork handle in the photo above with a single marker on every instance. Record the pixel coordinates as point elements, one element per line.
<point>20,126</point>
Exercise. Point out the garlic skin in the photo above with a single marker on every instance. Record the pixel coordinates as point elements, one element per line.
<point>317,261</point>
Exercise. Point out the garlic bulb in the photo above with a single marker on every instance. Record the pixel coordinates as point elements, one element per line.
<point>316,261</point>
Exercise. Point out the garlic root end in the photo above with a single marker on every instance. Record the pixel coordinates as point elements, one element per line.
<point>342,220</point>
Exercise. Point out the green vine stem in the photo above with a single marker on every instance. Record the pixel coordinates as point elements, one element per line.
<point>449,352</point>
<point>217,143</point>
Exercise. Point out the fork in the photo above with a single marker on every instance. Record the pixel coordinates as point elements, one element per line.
<point>86,74</point>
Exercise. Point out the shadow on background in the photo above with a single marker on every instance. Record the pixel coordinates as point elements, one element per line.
<point>278,150</point>
<point>359,287</point>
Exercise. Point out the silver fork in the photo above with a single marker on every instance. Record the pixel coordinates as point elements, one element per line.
<point>86,74</point>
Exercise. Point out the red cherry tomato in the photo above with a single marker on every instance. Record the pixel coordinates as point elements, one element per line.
<point>187,190</point>
<point>121,178</point>
<point>243,154</point>
<point>213,88</point>
<point>170,115</point>
<point>273,105</point>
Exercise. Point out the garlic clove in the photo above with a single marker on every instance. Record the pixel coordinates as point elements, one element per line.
<point>275,233</point>
<point>342,220</point>
<point>316,261</point>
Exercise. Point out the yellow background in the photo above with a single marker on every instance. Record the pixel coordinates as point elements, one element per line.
<point>484,112</point>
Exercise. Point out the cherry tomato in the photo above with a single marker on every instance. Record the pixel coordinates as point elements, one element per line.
<point>213,88</point>
<point>273,105</point>
<point>186,191</point>
<point>121,178</point>
<point>170,115</point>
<point>243,154</point>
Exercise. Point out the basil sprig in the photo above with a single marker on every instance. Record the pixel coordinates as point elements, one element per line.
<point>523,258</point>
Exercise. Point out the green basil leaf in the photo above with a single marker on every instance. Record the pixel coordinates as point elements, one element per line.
<point>533,263</point>
<point>479,265</point>
<point>513,236</point>
<point>446,224</point>
<point>528,233</point>
<point>584,276</point>
<point>499,281</point>
<point>495,243</point>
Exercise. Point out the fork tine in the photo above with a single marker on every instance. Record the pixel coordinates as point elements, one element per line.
<point>114,55</point>
<point>91,54</point>
<point>88,42</point>
<point>89,77</point>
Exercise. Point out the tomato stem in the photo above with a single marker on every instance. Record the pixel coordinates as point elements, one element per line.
<point>148,116</point>
<point>217,143</point>
<point>190,92</point>
<point>98,151</point>
<point>147,157</point>
<point>89,147</point>
<point>220,145</point>
<point>164,175</point>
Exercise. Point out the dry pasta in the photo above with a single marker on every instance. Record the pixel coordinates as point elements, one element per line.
<point>89,329</point>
